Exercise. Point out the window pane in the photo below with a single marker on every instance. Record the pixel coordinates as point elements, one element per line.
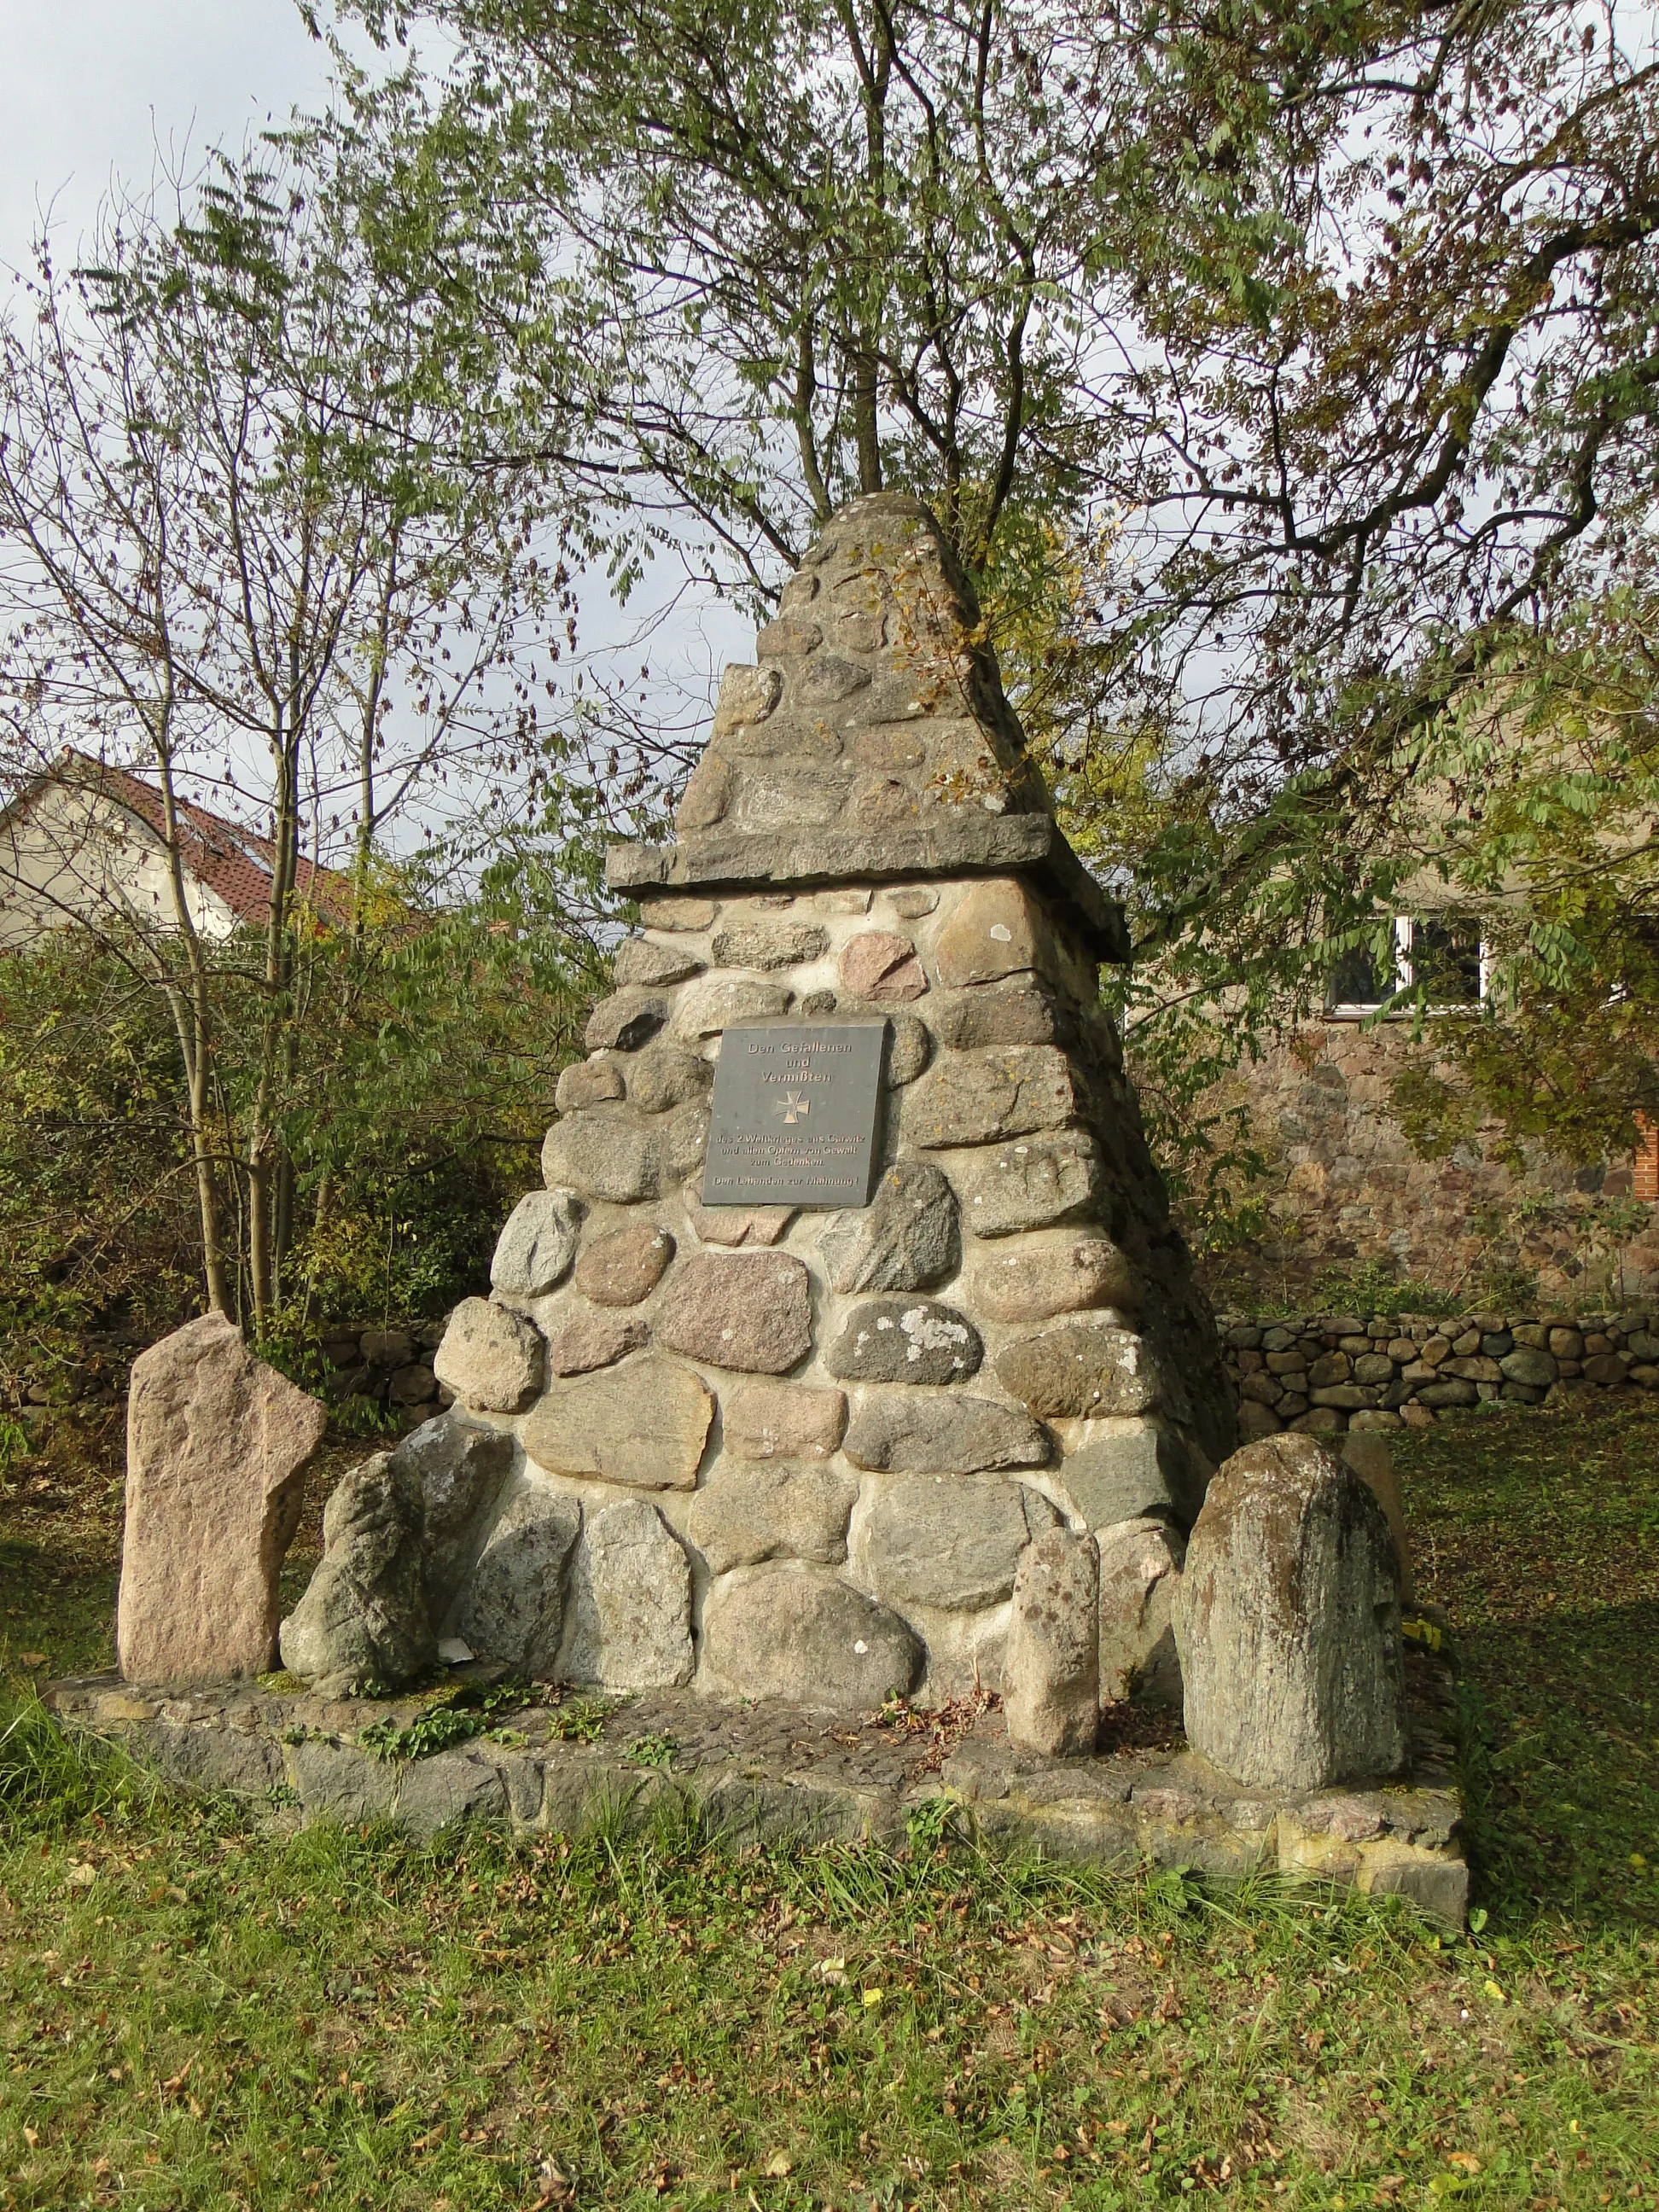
<point>1446,960</point>
<point>1353,980</point>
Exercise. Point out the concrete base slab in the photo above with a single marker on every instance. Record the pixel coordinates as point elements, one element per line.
<point>766,1773</point>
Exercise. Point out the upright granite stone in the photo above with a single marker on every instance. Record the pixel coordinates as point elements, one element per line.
<point>461,1469</point>
<point>1139,1573</point>
<point>630,1602</point>
<point>837,1403</point>
<point>1051,1675</point>
<point>218,1445</point>
<point>366,1615</point>
<point>492,1359</point>
<point>1288,1623</point>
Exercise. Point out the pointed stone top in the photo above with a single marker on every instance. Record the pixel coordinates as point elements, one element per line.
<point>870,739</point>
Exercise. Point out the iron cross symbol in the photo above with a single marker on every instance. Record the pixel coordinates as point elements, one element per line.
<point>793,1108</point>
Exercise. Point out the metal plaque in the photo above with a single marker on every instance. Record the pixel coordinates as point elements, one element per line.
<point>794,1115</point>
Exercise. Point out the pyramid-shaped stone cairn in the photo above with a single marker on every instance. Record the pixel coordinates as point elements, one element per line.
<point>798,1453</point>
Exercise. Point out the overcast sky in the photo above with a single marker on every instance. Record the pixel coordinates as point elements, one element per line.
<point>93,87</point>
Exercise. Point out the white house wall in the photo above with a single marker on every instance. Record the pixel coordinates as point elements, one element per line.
<point>74,855</point>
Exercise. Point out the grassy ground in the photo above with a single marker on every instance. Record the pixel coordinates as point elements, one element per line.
<point>194,2013</point>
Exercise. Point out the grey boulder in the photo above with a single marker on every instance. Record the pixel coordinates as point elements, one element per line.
<point>629,1614</point>
<point>1051,1672</point>
<point>948,1542</point>
<point>365,1614</point>
<point>804,1635</point>
<point>514,1609</point>
<point>461,1469</point>
<point>942,1432</point>
<point>905,1340</point>
<point>537,1244</point>
<point>1127,1469</point>
<point>1139,1573</point>
<point>745,1514</point>
<point>904,1240</point>
<point>490,1358</point>
<point>1288,1623</point>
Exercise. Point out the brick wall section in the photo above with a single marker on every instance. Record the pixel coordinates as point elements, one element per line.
<point>1324,1373</point>
<point>1346,1188</point>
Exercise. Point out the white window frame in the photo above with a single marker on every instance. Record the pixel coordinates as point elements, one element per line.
<point>1362,1009</point>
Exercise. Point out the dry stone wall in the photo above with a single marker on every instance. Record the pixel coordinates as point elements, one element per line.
<point>1324,1373</point>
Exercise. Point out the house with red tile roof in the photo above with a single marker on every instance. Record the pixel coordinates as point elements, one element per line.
<point>85,842</point>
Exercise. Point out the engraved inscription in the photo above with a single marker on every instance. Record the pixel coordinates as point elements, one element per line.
<point>794,1115</point>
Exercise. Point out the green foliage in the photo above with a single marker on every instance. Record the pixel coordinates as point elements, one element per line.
<point>654,1750</point>
<point>97,1214</point>
<point>422,1080</point>
<point>1538,792</point>
<point>468,1711</point>
<point>582,1720</point>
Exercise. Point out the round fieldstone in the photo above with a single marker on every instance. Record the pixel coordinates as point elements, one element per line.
<point>910,1047</point>
<point>996,929</point>
<point>587,1082</point>
<point>905,1340</point>
<point>948,1542</point>
<point>1080,1367</point>
<point>647,965</point>
<point>1033,1185</point>
<point>625,1267</point>
<point>1051,1672</point>
<point>905,1239</point>
<point>607,1154</point>
<point>712,1003</point>
<point>882,967</point>
<point>752,1311</point>
<point>579,1341</point>
<point>746,1513</point>
<point>982,1098</point>
<point>511,1611</point>
<point>537,1244</point>
<point>1527,1364</point>
<point>784,1420</point>
<point>625,1021</point>
<point>942,1432</point>
<point>767,944</point>
<point>1036,1282</point>
<point>492,1359</point>
<point>1288,1623</point>
<point>802,1634</point>
<point>664,1076</point>
<point>630,1609</point>
<point>644,1425</point>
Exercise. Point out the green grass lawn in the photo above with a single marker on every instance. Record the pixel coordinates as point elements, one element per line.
<point>196,2012</point>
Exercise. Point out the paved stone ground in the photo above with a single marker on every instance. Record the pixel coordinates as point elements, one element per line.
<point>775,1773</point>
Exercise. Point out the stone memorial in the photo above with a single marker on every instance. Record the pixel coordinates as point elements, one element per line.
<point>850,1352</point>
<point>852,1275</point>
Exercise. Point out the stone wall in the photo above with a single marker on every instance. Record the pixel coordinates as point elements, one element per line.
<point>1324,1373</point>
<point>390,1364</point>
<point>1346,1189</point>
